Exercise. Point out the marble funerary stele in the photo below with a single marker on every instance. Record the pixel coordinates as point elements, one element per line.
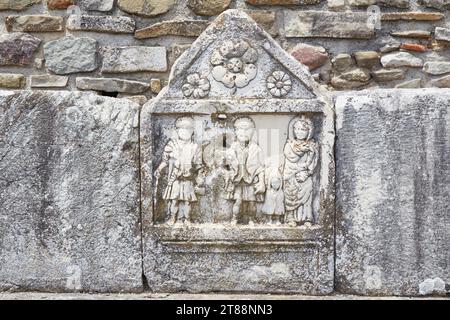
<point>238,170</point>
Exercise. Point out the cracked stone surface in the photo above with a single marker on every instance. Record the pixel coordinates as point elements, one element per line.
<point>393,192</point>
<point>69,193</point>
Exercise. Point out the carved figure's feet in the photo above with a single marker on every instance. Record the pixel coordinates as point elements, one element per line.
<point>308,224</point>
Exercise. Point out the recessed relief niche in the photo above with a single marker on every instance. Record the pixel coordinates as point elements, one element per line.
<point>237,169</point>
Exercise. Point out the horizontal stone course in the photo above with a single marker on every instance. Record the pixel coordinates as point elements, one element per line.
<point>12,81</point>
<point>48,81</point>
<point>60,4</point>
<point>186,28</point>
<point>17,4</point>
<point>34,23</point>
<point>327,24</point>
<point>108,24</point>
<point>416,16</point>
<point>111,85</point>
<point>147,8</point>
<point>96,5</point>
<point>134,59</point>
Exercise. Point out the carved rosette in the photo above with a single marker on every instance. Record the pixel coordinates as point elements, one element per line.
<point>234,63</point>
<point>279,84</point>
<point>196,86</point>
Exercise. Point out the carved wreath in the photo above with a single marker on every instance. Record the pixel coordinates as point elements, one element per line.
<point>234,63</point>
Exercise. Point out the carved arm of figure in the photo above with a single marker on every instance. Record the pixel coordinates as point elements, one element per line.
<point>199,168</point>
<point>165,161</point>
<point>260,186</point>
<point>307,168</point>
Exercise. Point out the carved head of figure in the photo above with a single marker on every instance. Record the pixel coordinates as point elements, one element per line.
<point>301,128</point>
<point>185,128</point>
<point>244,128</point>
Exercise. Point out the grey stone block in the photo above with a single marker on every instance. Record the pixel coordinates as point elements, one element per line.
<point>69,193</point>
<point>393,191</point>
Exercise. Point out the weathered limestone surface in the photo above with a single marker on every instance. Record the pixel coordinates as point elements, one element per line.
<point>208,7</point>
<point>95,5</point>
<point>147,8</point>
<point>34,23</point>
<point>12,80</point>
<point>442,34</point>
<point>69,193</point>
<point>393,191</point>
<point>17,4</point>
<point>101,24</point>
<point>111,85</point>
<point>71,55</point>
<point>327,24</point>
<point>47,81</point>
<point>235,75</point>
<point>186,28</point>
<point>439,4</point>
<point>17,48</point>
<point>61,4</point>
<point>134,59</point>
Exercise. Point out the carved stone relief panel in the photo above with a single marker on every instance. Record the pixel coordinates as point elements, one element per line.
<point>237,170</point>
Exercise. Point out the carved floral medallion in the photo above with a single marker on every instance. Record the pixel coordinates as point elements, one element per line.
<point>196,86</point>
<point>279,83</point>
<point>234,63</point>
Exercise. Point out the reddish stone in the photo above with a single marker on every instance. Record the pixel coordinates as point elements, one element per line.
<point>311,56</point>
<point>413,47</point>
<point>59,4</point>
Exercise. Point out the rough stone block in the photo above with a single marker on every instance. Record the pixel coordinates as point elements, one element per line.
<point>34,23</point>
<point>17,5</point>
<point>327,24</point>
<point>111,85</point>
<point>185,28</point>
<point>393,190</point>
<point>96,5</point>
<point>281,2</point>
<point>438,4</point>
<point>412,16</point>
<point>147,8</point>
<point>108,24</point>
<point>134,59</point>
<point>17,48</point>
<point>12,80</point>
<point>442,34</point>
<point>71,55</point>
<point>48,81</point>
<point>60,4</point>
<point>69,193</point>
<point>208,7</point>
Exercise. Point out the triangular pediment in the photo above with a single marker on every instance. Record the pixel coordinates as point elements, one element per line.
<point>234,58</point>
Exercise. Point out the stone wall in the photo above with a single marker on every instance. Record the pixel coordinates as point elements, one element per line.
<point>127,48</point>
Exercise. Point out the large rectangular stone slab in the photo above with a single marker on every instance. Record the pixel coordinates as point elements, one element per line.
<point>393,191</point>
<point>69,193</point>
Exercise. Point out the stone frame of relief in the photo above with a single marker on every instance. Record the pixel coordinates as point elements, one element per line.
<point>237,170</point>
